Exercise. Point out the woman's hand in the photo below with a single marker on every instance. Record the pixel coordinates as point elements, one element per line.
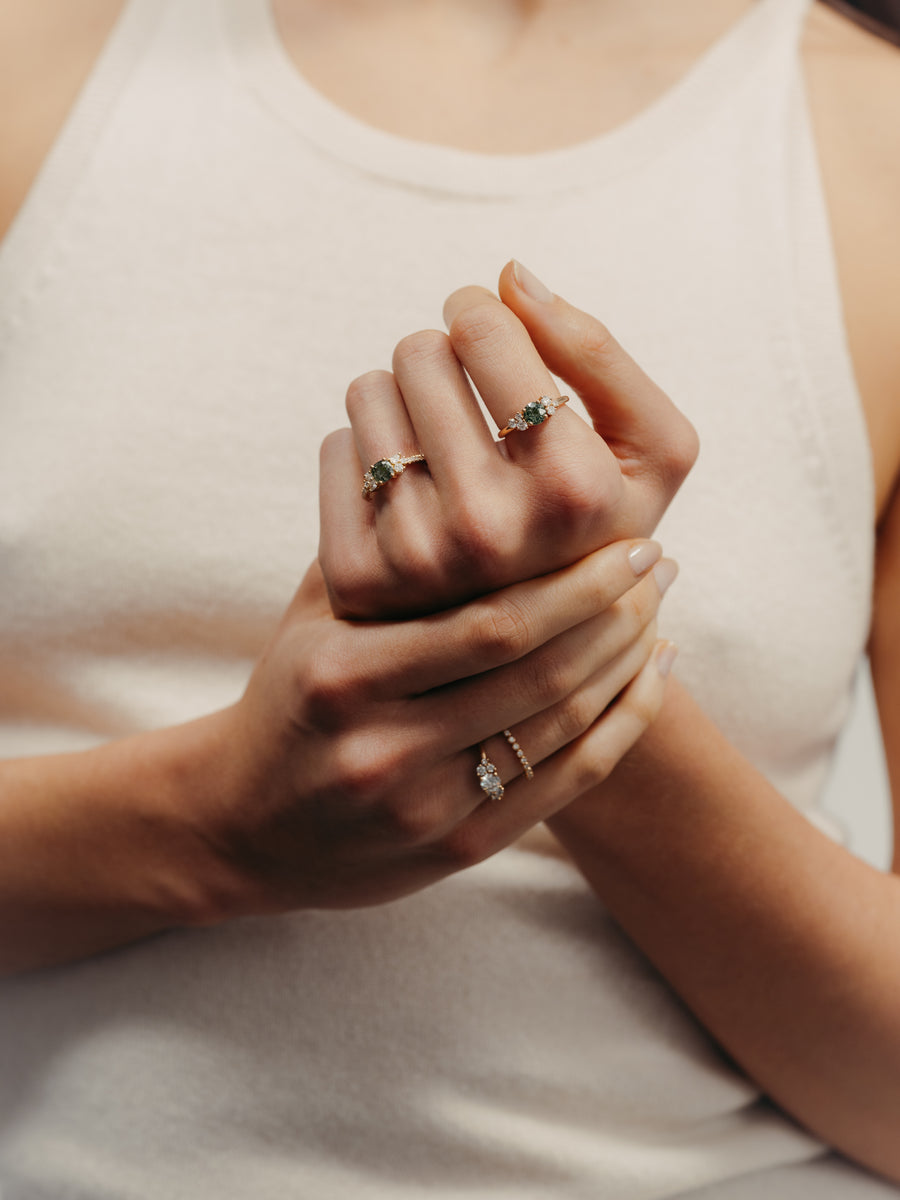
<point>484,514</point>
<point>348,768</point>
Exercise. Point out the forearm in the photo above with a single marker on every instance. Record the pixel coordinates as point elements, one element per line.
<point>99,848</point>
<point>783,944</point>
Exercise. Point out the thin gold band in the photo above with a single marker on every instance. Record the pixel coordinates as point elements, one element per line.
<point>520,753</point>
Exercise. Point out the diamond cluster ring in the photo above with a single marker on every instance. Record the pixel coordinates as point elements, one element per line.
<point>385,470</point>
<point>489,777</point>
<point>536,412</point>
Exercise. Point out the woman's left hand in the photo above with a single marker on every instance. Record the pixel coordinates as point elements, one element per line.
<point>482,515</point>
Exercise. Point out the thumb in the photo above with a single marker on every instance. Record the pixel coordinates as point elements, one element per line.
<point>634,416</point>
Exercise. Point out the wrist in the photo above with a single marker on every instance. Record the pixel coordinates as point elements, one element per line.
<point>107,846</point>
<point>187,781</point>
<point>659,780</point>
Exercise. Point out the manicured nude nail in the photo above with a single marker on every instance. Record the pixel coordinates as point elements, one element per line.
<point>665,657</point>
<point>530,284</point>
<point>643,556</point>
<point>664,573</point>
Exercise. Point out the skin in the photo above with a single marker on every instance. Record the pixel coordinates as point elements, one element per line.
<point>704,866</point>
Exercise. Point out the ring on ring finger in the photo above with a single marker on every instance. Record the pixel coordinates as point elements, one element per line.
<point>385,470</point>
<point>488,776</point>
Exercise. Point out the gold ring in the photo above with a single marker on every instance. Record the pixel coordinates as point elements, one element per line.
<point>536,412</point>
<point>385,470</point>
<point>488,777</point>
<point>520,753</point>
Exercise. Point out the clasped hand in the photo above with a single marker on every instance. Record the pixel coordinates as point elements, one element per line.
<point>528,599</point>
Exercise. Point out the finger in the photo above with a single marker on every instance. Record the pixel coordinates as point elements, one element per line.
<point>449,425</point>
<point>463,713</point>
<point>414,657</point>
<point>450,790</point>
<point>495,348</point>
<point>381,426</point>
<point>542,735</point>
<point>347,522</point>
<point>574,770</point>
<point>628,410</point>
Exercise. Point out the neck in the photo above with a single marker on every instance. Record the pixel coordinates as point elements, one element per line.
<point>538,74</point>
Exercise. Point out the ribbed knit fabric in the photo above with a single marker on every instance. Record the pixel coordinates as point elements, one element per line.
<point>211,253</point>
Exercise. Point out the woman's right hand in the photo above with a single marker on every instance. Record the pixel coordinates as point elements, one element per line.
<point>346,774</point>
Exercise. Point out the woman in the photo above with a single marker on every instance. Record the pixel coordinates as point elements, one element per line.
<point>240,217</point>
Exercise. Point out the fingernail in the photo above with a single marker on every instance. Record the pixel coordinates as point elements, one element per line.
<point>665,657</point>
<point>664,573</point>
<point>643,556</point>
<point>530,284</point>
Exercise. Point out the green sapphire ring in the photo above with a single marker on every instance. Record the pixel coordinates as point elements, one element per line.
<point>536,412</point>
<point>385,470</point>
<point>489,777</point>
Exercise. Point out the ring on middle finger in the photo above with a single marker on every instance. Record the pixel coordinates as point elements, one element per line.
<point>536,412</point>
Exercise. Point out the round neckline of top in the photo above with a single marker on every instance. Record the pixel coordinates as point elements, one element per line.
<point>262,60</point>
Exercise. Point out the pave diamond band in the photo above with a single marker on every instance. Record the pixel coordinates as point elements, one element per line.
<point>519,753</point>
<point>488,777</point>
<point>535,412</point>
<point>385,470</point>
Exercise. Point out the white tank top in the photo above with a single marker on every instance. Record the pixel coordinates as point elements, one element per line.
<point>210,254</point>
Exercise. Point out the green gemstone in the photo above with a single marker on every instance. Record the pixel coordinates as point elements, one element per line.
<point>534,412</point>
<point>382,471</point>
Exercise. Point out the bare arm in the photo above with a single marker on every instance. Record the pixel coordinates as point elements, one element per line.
<point>782,943</point>
<point>97,848</point>
<point>345,775</point>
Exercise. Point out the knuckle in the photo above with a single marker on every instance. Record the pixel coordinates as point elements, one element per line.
<point>573,716</point>
<point>479,325</point>
<point>647,640</point>
<point>421,349</point>
<point>329,687</point>
<point>592,766</point>
<point>364,387</point>
<point>638,607</point>
<point>501,631</point>
<point>364,769</point>
<point>464,847</point>
<point>413,559</point>
<point>475,546</point>
<point>597,345</point>
<point>644,705</point>
<point>682,447</point>
<point>550,679</point>
<point>408,821</point>
<point>350,585</point>
<point>584,491</point>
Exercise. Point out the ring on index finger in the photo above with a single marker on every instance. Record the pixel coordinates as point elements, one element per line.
<point>536,412</point>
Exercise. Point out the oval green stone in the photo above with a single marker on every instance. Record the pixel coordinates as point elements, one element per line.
<point>534,412</point>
